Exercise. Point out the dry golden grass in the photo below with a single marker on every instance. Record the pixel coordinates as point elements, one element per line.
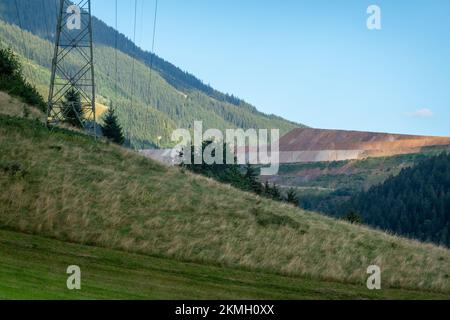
<point>100,109</point>
<point>14,107</point>
<point>72,188</point>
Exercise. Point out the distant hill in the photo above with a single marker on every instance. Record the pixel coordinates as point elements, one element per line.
<point>313,145</point>
<point>173,99</point>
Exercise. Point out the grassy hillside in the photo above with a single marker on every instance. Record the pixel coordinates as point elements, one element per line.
<point>35,268</point>
<point>158,106</point>
<point>67,186</point>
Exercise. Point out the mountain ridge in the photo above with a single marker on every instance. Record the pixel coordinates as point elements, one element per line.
<point>183,98</point>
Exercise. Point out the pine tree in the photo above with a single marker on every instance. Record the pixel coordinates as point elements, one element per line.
<point>275,193</point>
<point>267,188</point>
<point>251,177</point>
<point>353,217</point>
<point>111,128</point>
<point>13,82</point>
<point>9,64</point>
<point>72,108</point>
<point>292,197</point>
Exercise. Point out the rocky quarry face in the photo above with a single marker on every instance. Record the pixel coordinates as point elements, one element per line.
<point>313,145</point>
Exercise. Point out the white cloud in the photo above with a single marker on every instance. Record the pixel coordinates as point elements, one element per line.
<point>422,113</point>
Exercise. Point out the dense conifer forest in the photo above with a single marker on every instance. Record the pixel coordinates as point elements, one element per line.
<point>416,203</point>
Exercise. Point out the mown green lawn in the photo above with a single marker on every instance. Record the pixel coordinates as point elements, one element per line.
<point>32,267</point>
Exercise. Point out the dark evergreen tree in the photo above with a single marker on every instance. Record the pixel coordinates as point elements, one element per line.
<point>267,188</point>
<point>9,65</point>
<point>111,128</point>
<point>242,178</point>
<point>13,82</point>
<point>226,173</point>
<point>275,193</point>
<point>353,217</point>
<point>252,179</point>
<point>292,197</point>
<point>72,108</point>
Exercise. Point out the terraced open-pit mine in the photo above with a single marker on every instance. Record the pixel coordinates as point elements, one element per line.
<point>316,145</point>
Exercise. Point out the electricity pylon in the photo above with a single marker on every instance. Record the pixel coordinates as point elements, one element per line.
<point>73,66</point>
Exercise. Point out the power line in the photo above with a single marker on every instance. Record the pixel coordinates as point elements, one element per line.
<point>19,20</point>
<point>152,54</point>
<point>154,34</point>
<point>115,53</point>
<point>132,69</point>
<point>47,28</point>
<point>57,8</point>
<point>142,22</point>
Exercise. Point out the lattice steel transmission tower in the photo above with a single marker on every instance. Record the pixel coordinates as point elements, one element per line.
<point>73,67</point>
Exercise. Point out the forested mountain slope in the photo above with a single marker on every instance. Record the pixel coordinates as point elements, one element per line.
<point>170,100</point>
<point>416,203</point>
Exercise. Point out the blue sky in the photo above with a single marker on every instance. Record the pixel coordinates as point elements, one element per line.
<point>310,61</point>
